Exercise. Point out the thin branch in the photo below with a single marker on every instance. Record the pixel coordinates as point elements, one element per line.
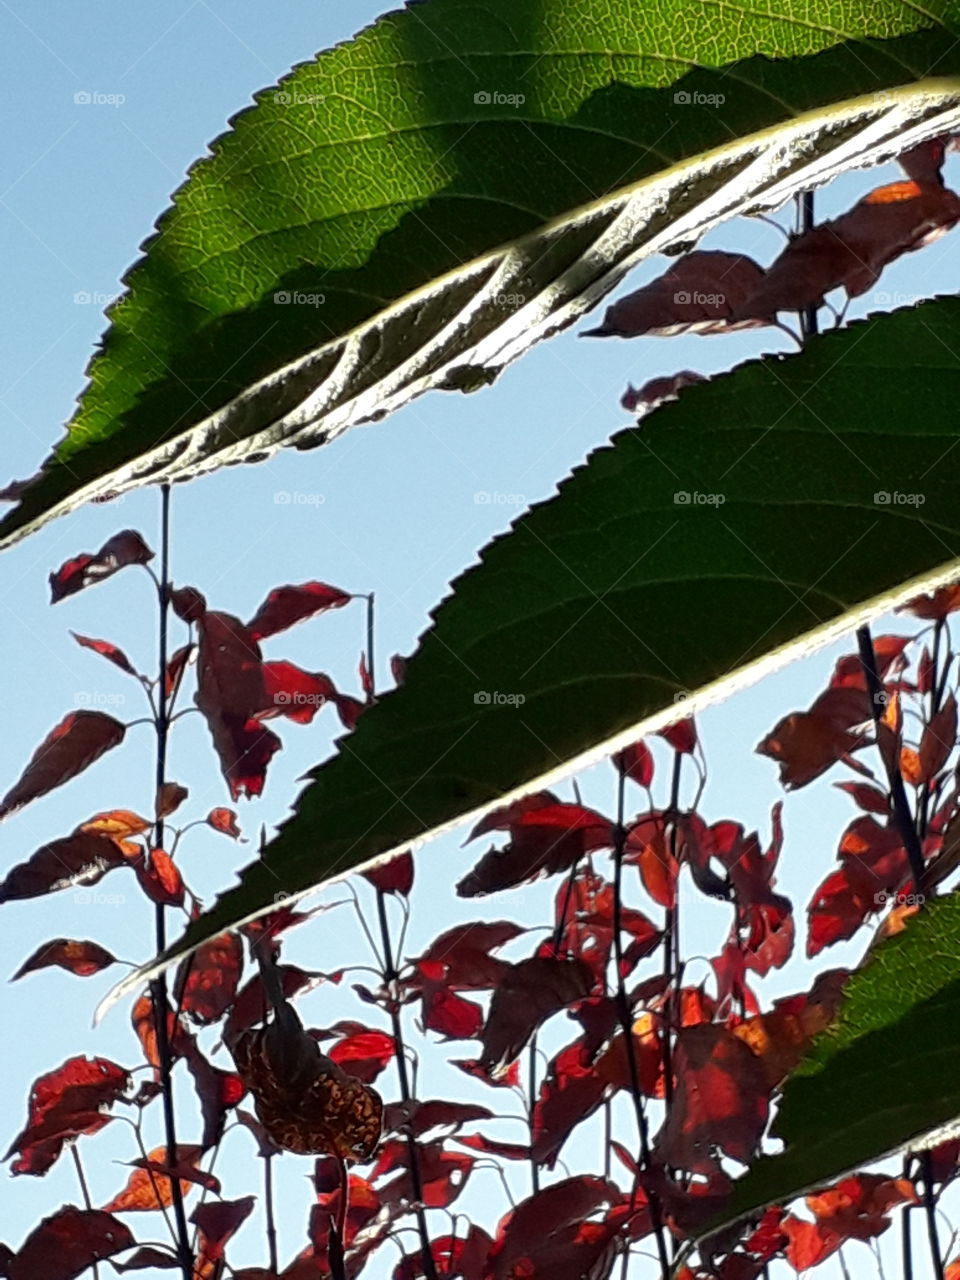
<point>268,1208</point>
<point>158,987</point>
<point>84,1191</point>
<point>390,975</point>
<point>626,1027</point>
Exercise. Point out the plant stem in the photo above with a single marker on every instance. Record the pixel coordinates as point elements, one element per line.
<point>390,975</point>
<point>808,316</point>
<point>84,1191</point>
<point>268,1207</point>
<point>371,680</point>
<point>532,1089</point>
<point>671,930</point>
<point>626,1028</point>
<point>335,1249</point>
<point>158,987</point>
<point>898,794</point>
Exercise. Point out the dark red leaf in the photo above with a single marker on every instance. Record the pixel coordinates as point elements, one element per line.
<point>80,958</point>
<point>636,762</point>
<point>285,606</point>
<point>169,799</point>
<point>682,736</point>
<point>936,606</point>
<point>147,1257</point>
<point>461,956</point>
<point>225,821</point>
<point>698,293</point>
<point>188,604</point>
<point>116,553</point>
<point>543,840</point>
<point>393,876</point>
<point>888,651</point>
<point>252,1005</point>
<point>528,1237</point>
<point>491,1147</point>
<point>570,1092</point>
<point>938,740</point>
<point>923,163</point>
<point>106,650</point>
<point>142,1018</point>
<point>218,1092</point>
<point>67,1243</point>
<point>159,878</point>
<point>63,1104</point>
<point>657,389</point>
<point>176,667</point>
<point>471,1067</point>
<point>76,742</point>
<point>218,1220</point>
<point>292,692</point>
<point>420,1117</point>
<point>869,798</point>
<point>720,1100</point>
<point>528,994</point>
<point>443,1176</point>
<point>807,743</point>
<point>207,980</point>
<point>450,1014</point>
<point>454,1256</point>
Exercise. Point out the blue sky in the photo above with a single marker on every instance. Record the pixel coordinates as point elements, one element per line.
<point>391,508</point>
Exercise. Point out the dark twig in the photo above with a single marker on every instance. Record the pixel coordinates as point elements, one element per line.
<point>158,987</point>
<point>268,1208</point>
<point>84,1191</point>
<point>390,976</point>
<point>626,1026</point>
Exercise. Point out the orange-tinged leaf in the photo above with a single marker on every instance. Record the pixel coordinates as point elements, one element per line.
<point>118,823</point>
<point>77,957</point>
<point>207,980</point>
<point>225,821</point>
<point>910,766</point>
<point>150,1188</point>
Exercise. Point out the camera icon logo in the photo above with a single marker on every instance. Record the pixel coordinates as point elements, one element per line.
<point>682,498</point>
<point>482,98</point>
<point>482,698</point>
<point>681,97</point>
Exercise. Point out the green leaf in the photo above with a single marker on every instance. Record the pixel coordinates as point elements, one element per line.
<point>431,236</point>
<point>882,1077</point>
<point>608,601</point>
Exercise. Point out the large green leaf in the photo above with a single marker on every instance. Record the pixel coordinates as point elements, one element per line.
<point>445,230</point>
<point>606,602</point>
<point>883,1077</point>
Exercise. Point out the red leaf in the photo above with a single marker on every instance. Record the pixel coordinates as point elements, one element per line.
<point>443,1176</point>
<point>169,799</point>
<point>636,762</point>
<point>106,650</point>
<point>224,820</point>
<point>159,878</point>
<point>647,846</point>
<point>188,604</point>
<point>528,1236</point>
<point>699,293</point>
<point>142,1018</point>
<point>720,1100</point>
<point>176,667</point>
<point>502,819</point>
<point>252,1005</point>
<point>528,994</point>
<point>80,958</point>
<point>569,1093</point>
<point>453,1256</point>
<point>807,743</point>
<point>76,742</point>
<point>938,740</point>
<point>852,250</point>
<point>67,1243</point>
<point>116,553</point>
<point>150,1186</point>
<point>63,1104</point>
<point>451,1015</point>
<point>657,389</point>
<point>682,736</point>
<point>218,1092</point>
<point>543,840</point>
<point>285,606</point>
<point>848,673</point>
<point>461,955</point>
<point>471,1067</point>
<point>148,1257</point>
<point>871,799</point>
<point>924,162</point>
<point>292,692</point>
<point>364,1055</point>
<point>207,980</point>
<point>218,1220</point>
<point>936,606</point>
<point>393,876</point>
<point>420,1117</point>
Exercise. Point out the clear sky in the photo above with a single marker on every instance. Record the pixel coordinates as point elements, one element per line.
<point>391,508</point>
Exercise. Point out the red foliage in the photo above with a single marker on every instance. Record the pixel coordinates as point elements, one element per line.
<point>807,743</point>
<point>67,1243</point>
<point>528,994</point>
<point>543,840</point>
<point>106,650</point>
<point>207,980</point>
<point>393,876</point>
<point>70,747</point>
<point>80,958</point>
<point>124,548</point>
<point>63,1104</point>
<point>286,606</point>
<point>546,1238</point>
